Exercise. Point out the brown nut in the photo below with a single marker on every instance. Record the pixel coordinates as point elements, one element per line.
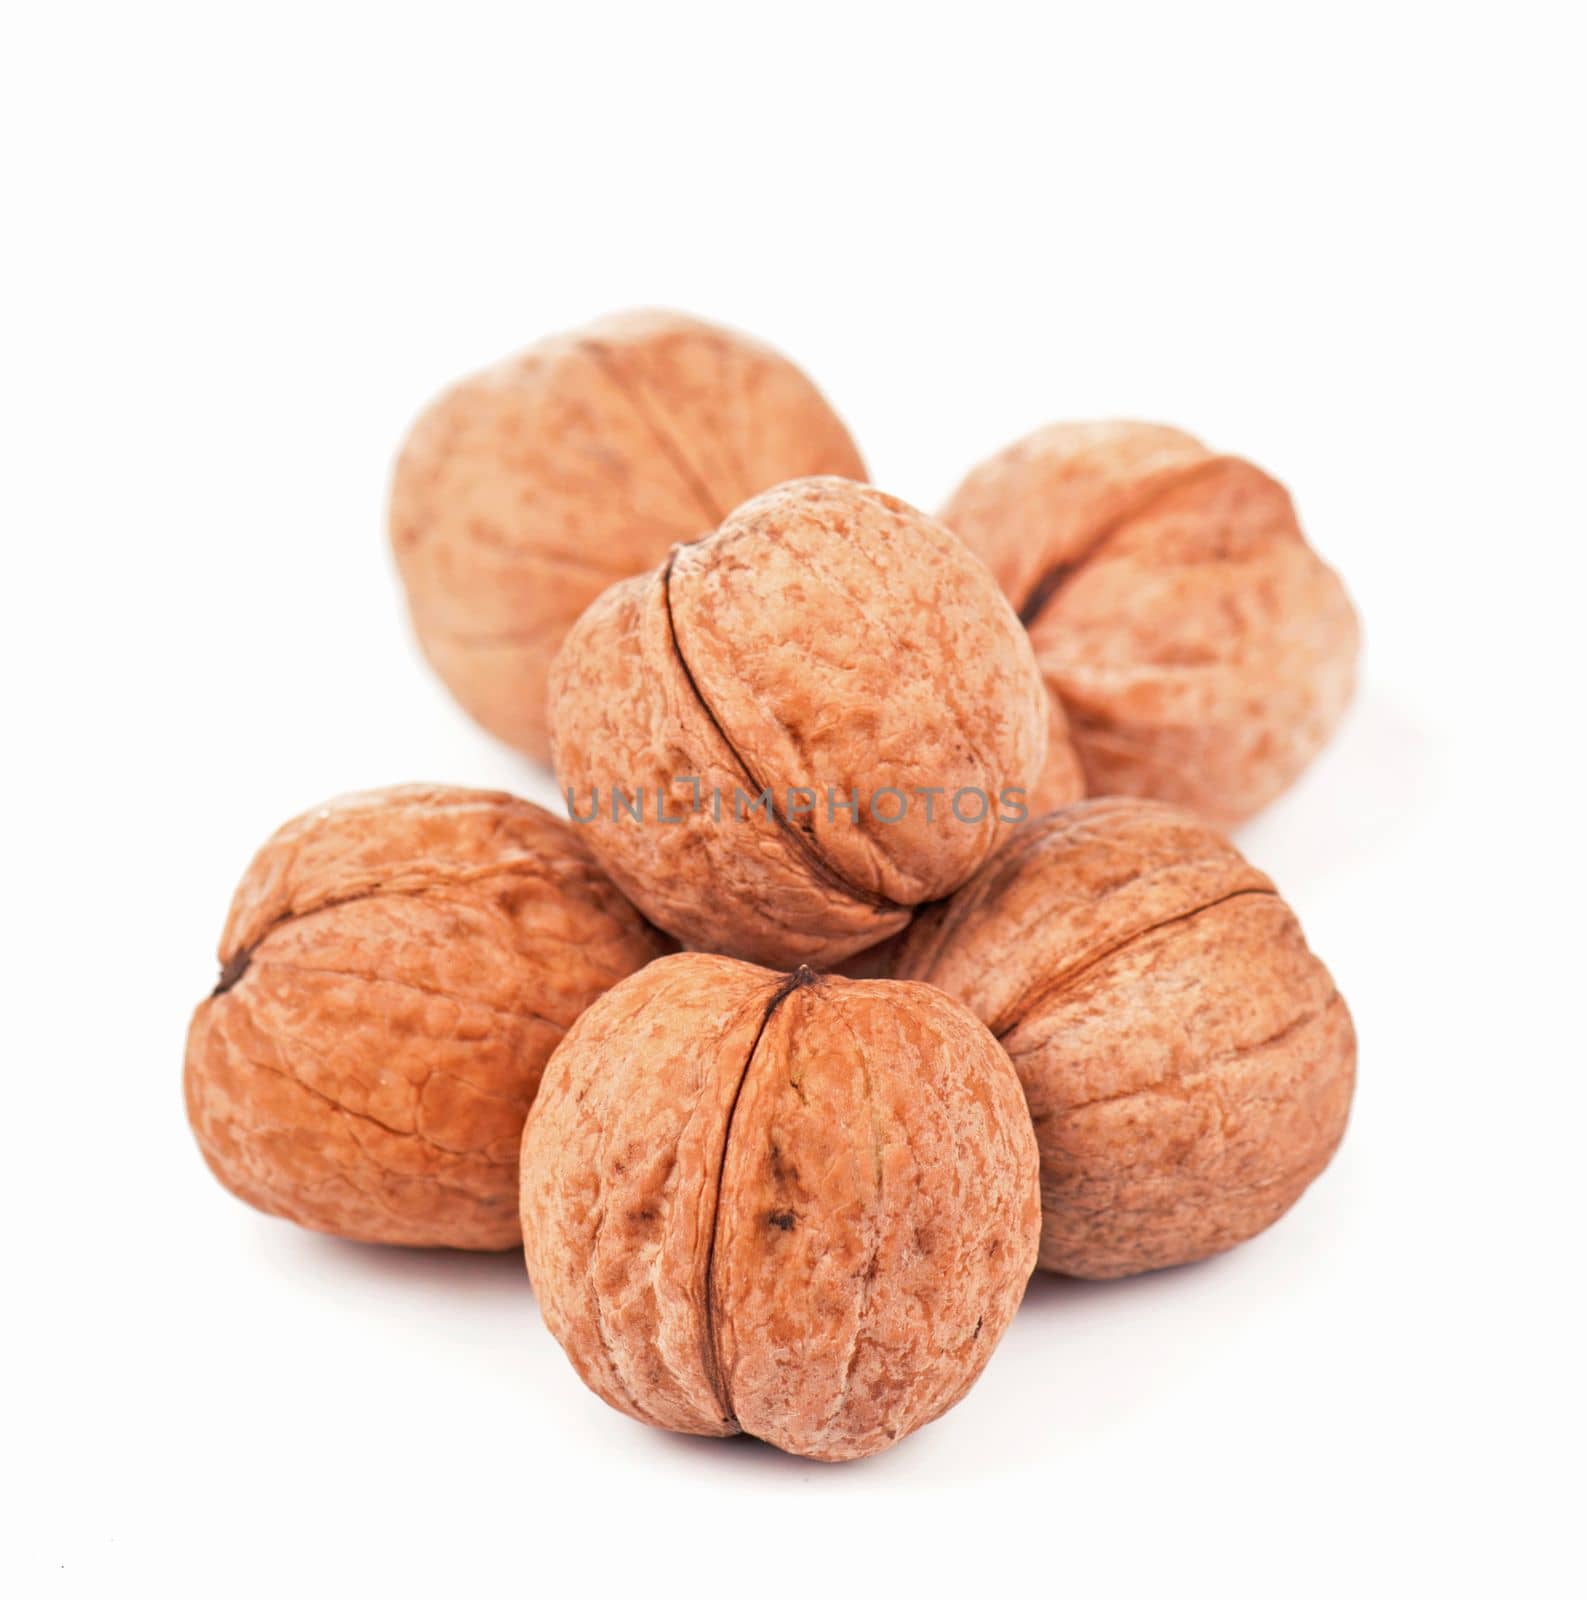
<point>395,971</point>
<point>1202,652</point>
<point>527,489</point>
<point>784,1205</point>
<point>826,645</point>
<point>1187,1059</point>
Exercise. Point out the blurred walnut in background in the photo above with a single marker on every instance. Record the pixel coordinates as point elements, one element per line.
<point>527,489</point>
<point>1199,649</point>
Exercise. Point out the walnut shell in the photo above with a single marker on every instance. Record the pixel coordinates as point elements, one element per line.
<point>395,971</point>
<point>1201,650</point>
<point>827,638</point>
<point>525,490</point>
<point>784,1205</point>
<point>1187,1059</point>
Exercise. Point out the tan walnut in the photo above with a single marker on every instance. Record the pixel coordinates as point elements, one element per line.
<point>1199,649</point>
<point>834,653</point>
<point>525,490</point>
<point>779,1204</point>
<point>395,971</point>
<point>1188,1062</point>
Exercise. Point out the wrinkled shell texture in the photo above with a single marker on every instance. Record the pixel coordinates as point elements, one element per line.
<point>526,490</point>
<point>396,969</point>
<point>1202,653</point>
<point>1188,1062</point>
<point>827,636</point>
<point>796,1207</point>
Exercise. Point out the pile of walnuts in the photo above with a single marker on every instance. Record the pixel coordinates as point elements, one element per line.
<point>837,1007</point>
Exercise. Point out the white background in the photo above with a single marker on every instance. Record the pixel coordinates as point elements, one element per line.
<point>243,249</point>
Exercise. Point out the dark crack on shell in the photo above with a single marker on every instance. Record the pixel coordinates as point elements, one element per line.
<point>1050,582</point>
<point>232,973</point>
<point>1047,585</point>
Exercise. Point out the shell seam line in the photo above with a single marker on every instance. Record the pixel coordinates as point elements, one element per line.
<point>801,845</point>
<point>235,966</point>
<point>505,1013</point>
<point>804,978</point>
<point>692,481</point>
<point>1040,995</point>
<point>829,1422</point>
<point>1053,578</point>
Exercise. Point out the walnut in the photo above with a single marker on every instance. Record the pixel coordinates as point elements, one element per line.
<point>834,655</point>
<point>1202,652</point>
<point>784,1205</point>
<point>395,970</point>
<point>1188,1062</point>
<point>527,489</point>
